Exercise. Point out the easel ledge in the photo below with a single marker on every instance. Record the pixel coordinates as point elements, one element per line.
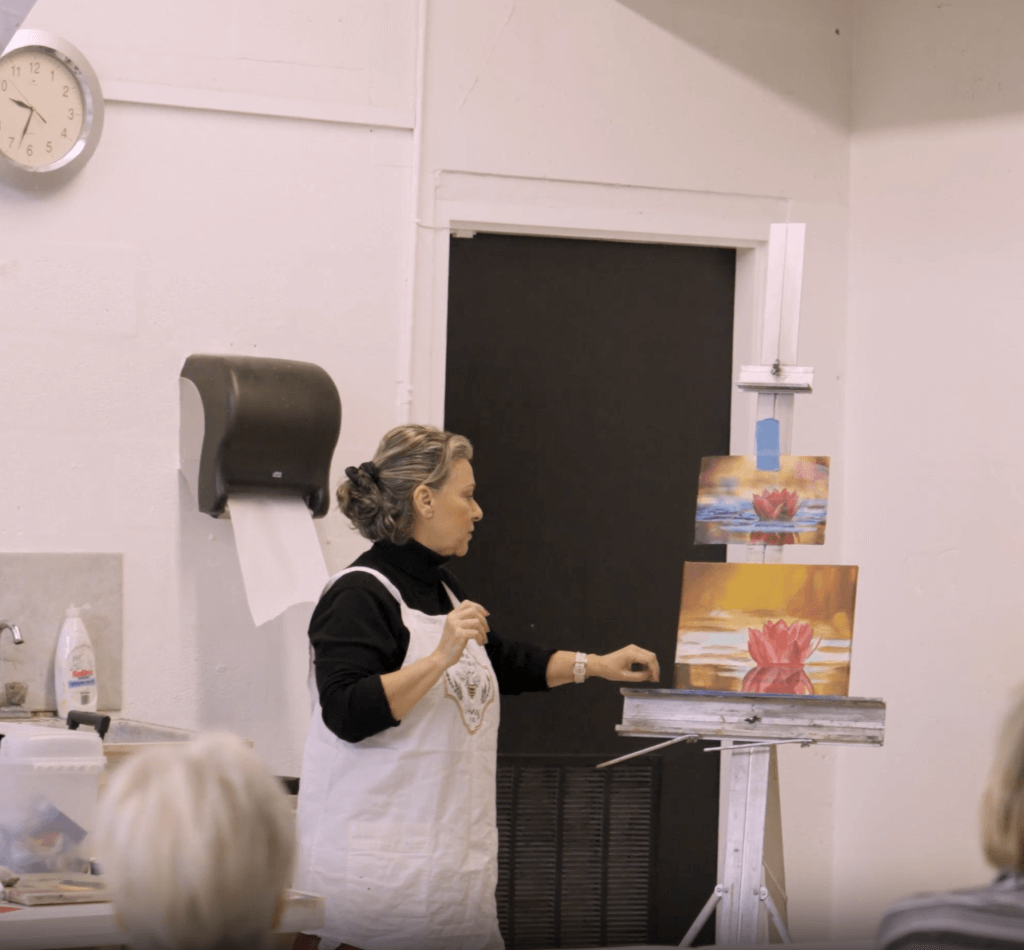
<point>721,715</point>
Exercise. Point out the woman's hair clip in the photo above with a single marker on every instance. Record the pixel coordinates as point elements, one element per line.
<point>367,468</point>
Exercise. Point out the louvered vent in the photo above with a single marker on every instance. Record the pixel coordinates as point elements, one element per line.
<point>576,852</point>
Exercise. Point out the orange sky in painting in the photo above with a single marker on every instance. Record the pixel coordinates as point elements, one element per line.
<point>814,592</point>
<point>805,474</point>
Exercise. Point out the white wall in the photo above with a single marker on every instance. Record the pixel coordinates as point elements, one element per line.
<point>932,437</point>
<point>642,92</point>
<point>196,231</point>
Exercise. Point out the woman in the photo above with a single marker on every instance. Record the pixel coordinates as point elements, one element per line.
<point>197,842</point>
<point>396,811</point>
<point>991,916</point>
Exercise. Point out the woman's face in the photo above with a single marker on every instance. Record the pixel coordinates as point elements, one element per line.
<point>445,517</point>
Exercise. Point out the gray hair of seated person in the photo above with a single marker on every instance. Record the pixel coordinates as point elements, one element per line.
<point>197,843</point>
<point>1002,807</point>
<point>377,497</point>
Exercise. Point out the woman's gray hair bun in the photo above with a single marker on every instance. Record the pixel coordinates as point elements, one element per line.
<point>377,495</point>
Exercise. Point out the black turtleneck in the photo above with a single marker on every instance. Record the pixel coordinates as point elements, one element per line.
<point>357,634</point>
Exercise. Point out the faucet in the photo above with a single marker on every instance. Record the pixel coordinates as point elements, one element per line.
<point>13,627</point>
<point>18,639</point>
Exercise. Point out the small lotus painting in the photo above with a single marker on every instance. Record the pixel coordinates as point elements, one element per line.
<point>766,628</point>
<point>738,504</point>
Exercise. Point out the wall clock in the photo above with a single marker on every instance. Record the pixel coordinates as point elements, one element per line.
<point>51,110</point>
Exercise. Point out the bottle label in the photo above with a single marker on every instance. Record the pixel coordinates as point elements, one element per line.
<point>82,670</point>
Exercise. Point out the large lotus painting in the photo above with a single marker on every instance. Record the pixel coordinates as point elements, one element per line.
<point>766,628</point>
<point>737,504</point>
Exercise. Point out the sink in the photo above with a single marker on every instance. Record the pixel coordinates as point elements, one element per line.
<point>36,719</point>
<point>14,712</point>
<point>124,738</point>
<point>121,731</point>
<point>130,731</point>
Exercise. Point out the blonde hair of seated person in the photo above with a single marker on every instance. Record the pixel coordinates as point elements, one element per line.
<point>197,843</point>
<point>1002,808</point>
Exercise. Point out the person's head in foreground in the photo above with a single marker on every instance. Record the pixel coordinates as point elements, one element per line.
<point>1002,806</point>
<point>197,843</point>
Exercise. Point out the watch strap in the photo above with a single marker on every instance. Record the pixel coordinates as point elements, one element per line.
<point>579,668</point>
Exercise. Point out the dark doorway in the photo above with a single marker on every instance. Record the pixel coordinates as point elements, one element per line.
<point>591,377</point>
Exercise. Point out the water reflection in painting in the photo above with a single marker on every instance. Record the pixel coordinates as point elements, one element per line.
<point>766,628</point>
<point>738,504</point>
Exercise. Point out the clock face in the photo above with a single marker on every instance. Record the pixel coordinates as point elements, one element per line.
<point>42,110</point>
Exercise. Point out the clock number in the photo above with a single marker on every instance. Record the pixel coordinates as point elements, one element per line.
<point>49,147</point>
<point>71,113</point>
<point>3,85</point>
<point>64,134</point>
<point>15,70</point>
<point>33,68</point>
<point>11,141</point>
<point>66,88</point>
<point>28,151</point>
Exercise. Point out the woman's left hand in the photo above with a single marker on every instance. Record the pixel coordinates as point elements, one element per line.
<point>619,665</point>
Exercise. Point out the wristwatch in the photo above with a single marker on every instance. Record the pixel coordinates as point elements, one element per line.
<point>579,668</point>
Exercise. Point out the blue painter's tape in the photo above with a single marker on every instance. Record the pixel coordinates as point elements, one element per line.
<point>767,445</point>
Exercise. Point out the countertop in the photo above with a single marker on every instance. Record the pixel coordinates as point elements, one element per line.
<point>56,926</point>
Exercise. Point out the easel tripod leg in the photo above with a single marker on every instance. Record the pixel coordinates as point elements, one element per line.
<point>773,912</point>
<point>739,916</point>
<point>702,917</point>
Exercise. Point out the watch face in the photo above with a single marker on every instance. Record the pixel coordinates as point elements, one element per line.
<point>42,111</point>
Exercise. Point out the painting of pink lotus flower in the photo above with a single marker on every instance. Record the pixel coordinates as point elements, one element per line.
<point>766,628</point>
<point>738,504</point>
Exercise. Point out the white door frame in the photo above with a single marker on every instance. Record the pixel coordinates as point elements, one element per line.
<point>467,203</point>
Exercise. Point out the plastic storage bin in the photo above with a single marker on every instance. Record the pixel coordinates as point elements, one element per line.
<point>50,781</point>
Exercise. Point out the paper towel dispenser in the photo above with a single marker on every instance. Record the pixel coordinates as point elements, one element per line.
<point>252,424</point>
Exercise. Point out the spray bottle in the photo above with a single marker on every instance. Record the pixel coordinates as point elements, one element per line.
<point>74,669</point>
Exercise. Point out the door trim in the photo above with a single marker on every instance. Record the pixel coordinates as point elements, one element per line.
<point>466,203</point>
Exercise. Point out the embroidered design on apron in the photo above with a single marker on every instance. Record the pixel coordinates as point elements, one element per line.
<point>470,686</point>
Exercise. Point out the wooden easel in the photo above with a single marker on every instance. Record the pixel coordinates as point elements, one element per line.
<point>750,727</point>
<point>752,883</point>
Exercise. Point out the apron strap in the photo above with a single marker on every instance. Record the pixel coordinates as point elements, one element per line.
<point>314,692</point>
<point>391,589</point>
<point>455,600</point>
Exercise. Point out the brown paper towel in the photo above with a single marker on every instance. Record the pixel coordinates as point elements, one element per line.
<point>278,548</point>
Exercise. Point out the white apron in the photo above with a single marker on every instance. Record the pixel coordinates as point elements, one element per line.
<point>398,832</point>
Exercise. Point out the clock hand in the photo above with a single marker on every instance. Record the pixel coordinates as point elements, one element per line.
<point>24,104</point>
<point>24,130</point>
<point>28,122</point>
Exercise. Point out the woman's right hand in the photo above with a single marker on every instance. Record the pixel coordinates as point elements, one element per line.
<point>466,622</point>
